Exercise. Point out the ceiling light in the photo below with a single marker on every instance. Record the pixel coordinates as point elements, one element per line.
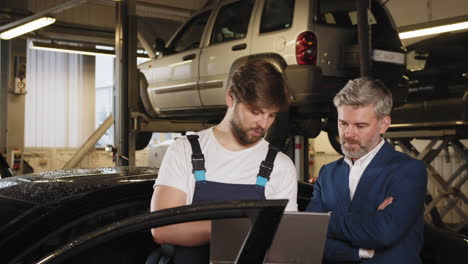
<point>434,27</point>
<point>27,27</point>
<point>36,21</point>
<point>433,30</point>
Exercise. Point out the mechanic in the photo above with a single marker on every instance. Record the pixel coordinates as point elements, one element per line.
<point>375,194</point>
<point>230,161</point>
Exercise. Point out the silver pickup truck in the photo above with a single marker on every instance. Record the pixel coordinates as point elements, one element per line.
<point>314,42</point>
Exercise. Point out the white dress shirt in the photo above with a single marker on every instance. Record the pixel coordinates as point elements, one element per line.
<point>356,169</point>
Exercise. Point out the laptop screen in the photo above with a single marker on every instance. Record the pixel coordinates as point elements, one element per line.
<point>300,238</point>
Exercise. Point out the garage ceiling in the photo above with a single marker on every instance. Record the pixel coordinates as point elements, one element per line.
<point>94,21</point>
<point>416,12</point>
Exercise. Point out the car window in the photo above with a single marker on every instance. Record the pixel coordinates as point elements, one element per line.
<point>232,22</point>
<point>416,61</point>
<point>340,13</point>
<point>52,225</point>
<point>277,15</point>
<point>190,36</point>
<point>344,18</point>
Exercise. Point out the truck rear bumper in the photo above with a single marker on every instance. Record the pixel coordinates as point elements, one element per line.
<point>309,86</point>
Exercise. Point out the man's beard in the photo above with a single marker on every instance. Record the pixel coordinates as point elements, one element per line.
<point>241,134</point>
<point>356,154</point>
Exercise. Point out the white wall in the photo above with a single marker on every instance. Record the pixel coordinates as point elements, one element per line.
<point>322,153</point>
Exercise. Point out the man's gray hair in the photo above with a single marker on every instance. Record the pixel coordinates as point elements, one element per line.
<point>364,91</point>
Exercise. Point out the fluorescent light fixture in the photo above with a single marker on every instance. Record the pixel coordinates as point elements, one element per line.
<point>36,21</point>
<point>97,51</point>
<point>434,30</point>
<point>70,49</point>
<point>104,47</point>
<point>27,27</point>
<point>434,27</point>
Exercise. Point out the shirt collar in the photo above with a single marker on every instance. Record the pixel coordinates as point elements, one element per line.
<point>366,159</point>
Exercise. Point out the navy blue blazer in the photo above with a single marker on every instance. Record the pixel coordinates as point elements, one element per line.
<point>395,233</point>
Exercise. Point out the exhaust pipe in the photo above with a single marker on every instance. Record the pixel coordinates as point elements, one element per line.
<point>364,38</point>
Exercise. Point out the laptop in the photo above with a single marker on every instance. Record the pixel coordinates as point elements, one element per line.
<point>300,238</point>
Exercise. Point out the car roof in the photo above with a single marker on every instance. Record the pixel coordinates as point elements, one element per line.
<point>52,185</point>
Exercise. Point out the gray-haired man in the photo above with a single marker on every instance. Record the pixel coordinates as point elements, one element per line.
<point>376,194</point>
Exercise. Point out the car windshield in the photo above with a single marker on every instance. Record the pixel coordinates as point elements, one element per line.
<point>11,208</point>
<point>433,53</point>
<point>437,71</point>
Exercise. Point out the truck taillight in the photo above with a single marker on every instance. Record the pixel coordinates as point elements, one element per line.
<point>306,48</point>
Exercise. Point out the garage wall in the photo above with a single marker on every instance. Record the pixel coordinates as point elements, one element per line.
<point>321,152</point>
<point>3,95</point>
<point>45,159</point>
<point>446,166</point>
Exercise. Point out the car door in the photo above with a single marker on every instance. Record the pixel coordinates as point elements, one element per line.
<point>172,79</point>
<point>110,244</point>
<point>228,41</point>
<point>276,29</point>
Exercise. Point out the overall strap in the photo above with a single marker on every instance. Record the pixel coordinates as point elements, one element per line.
<point>266,167</point>
<point>198,159</point>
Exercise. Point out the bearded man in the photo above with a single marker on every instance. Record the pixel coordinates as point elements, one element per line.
<point>375,194</point>
<point>230,161</point>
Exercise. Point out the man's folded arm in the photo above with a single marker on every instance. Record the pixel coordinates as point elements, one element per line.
<point>335,250</point>
<point>384,228</point>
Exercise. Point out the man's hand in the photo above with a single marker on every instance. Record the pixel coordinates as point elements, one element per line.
<point>385,203</point>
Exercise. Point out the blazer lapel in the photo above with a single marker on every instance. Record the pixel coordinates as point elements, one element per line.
<point>373,170</point>
<point>343,185</point>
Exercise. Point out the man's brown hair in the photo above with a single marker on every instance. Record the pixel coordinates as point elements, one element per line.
<point>260,83</point>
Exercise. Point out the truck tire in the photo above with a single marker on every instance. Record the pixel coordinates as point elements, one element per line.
<point>333,135</point>
<point>142,140</point>
<point>279,132</point>
<point>144,101</point>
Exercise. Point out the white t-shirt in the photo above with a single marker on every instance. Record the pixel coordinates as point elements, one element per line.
<point>226,166</point>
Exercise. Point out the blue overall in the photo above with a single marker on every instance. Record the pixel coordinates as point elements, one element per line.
<point>208,191</point>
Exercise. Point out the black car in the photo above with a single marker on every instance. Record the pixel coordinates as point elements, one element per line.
<point>438,67</point>
<point>438,80</point>
<point>102,215</point>
<point>42,212</point>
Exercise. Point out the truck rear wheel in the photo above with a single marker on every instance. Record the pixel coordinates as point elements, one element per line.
<point>279,131</point>
<point>142,140</point>
<point>333,135</point>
